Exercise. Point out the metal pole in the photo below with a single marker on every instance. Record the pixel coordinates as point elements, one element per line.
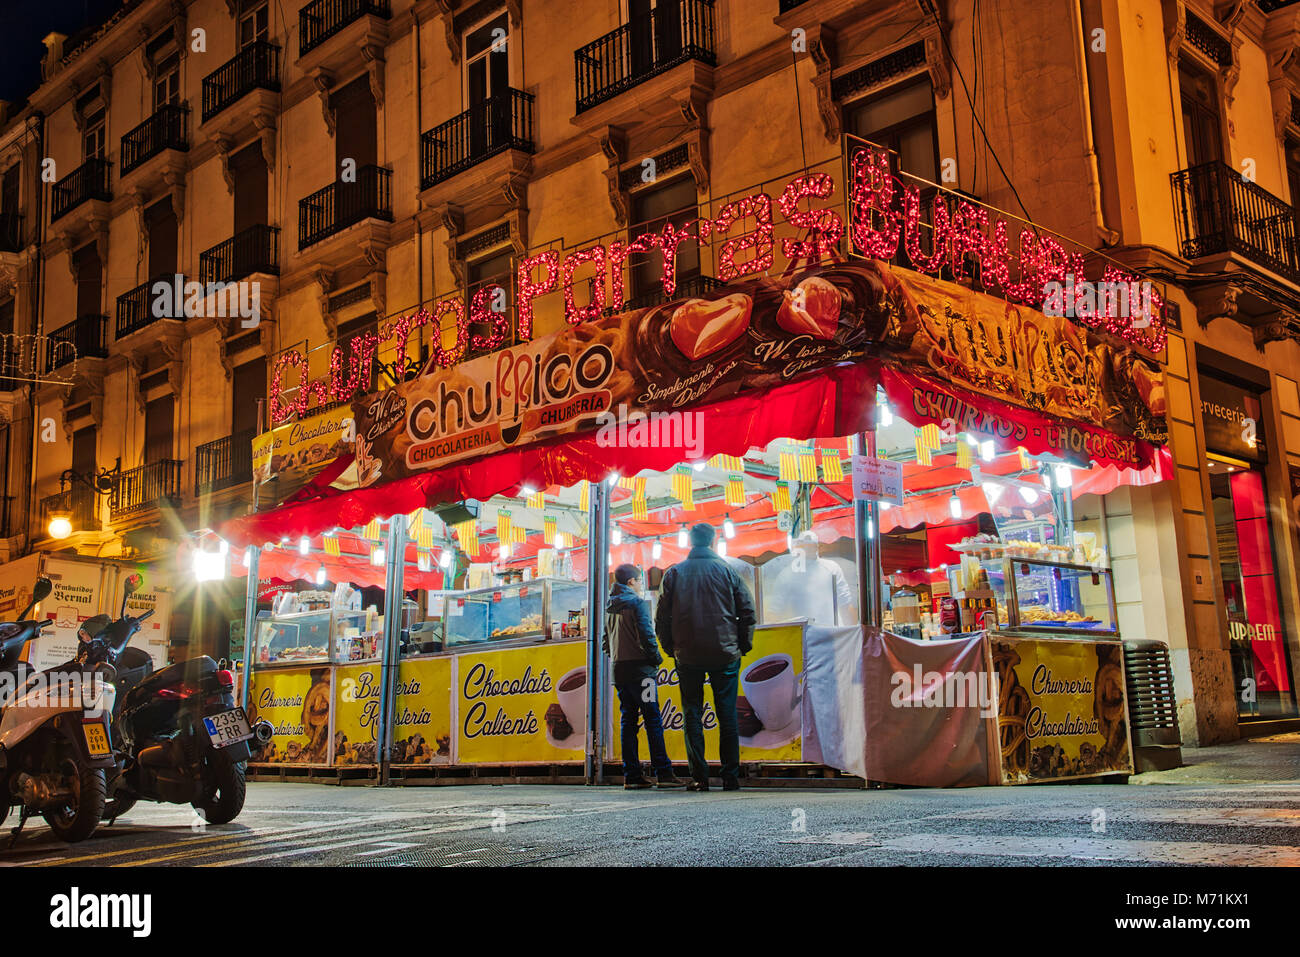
<point>391,654</point>
<point>250,620</point>
<point>597,587</point>
<point>867,546</point>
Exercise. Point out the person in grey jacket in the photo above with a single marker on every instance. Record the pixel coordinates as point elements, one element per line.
<point>630,644</point>
<point>706,623</point>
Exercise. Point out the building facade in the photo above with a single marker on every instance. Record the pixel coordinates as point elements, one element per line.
<point>347,161</point>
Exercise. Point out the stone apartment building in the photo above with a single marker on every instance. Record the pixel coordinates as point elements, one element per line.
<point>350,160</point>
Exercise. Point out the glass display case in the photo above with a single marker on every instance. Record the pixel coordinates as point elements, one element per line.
<point>522,610</point>
<point>337,635</point>
<point>1037,596</point>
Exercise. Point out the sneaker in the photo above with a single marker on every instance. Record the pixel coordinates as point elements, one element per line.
<point>697,785</point>
<point>670,780</point>
<point>731,785</point>
<point>637,784</point>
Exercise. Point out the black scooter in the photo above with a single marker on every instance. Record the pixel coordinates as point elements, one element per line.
<point>178,735</point>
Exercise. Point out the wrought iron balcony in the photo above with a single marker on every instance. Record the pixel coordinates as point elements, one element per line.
<point>11,232</point>
<point>14,372</point>
<point>225,463</point>
<point>87,181</point>
<point>255,249</point>
<point>1219,212</point>
<point>76,501</point>
<point>86,337</point>
<point>141,307</point>
<point>147,487</point>
<point>644,47</point>
<point>165,130</point>
<point>341,204</point>
<point>257,66</point>
<point>692,287</point>
<point>319,21</point>
<point>501,122</point>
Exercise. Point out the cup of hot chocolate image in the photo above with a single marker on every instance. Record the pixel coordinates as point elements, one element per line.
<point>769,685</point>
<point>571,690</point>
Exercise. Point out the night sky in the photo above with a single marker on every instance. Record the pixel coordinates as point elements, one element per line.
<point>23,23</point>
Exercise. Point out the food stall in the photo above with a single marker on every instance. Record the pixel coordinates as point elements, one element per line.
<point>771,409</point>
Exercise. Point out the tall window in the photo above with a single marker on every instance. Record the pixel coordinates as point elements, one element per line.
<point>496,268</point>
<point>487,75</point>
<point>167,82</point>
<point>90,279</point>
<point>1201,123</point>
<point>92,135</point>
<point>254,23</point>
<point>654,32</point>
<point>902,119</point>
<point>158,430</point>
<point>675,202</point>
<point>249,386</point>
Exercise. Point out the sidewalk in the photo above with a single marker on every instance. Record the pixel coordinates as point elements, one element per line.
<point>1248,761</point>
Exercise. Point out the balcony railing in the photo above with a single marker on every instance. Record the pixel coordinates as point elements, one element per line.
<point>75,501</point>
<point>140,307</point>
<point>341,204</point>
<point>644,47</point>
<point>165,130</point>
<point>86,337</point>
<point>14,372</point>
<point>257,66</point>
<point>1219,212</point>
<point>87,181</point>
<point>319,21</point>
<point>11,232</point>
<point>225,463</point>
<point>146,487</point>
<point>255,249</point>
<point>692,287</point>
<point>501,122</point>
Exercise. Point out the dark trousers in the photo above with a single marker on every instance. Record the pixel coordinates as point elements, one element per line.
<point>638,696</point>
<point>723,680</point>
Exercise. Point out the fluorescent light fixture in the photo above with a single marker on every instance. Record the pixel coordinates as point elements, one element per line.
<point>558,541</point>
<point>729,527</point>
<point>377,555</point>
<point>527,490</point>
<point>954,506</point>
<point>444,559</point>
<point>504,551</point>
<point>320,575</point>
<point>722,547</point>
<point>1064,476</point>
<point>304,545</point>
<point>987,450</point>
<point>681,537</point>
<point>886,415</point>
<point>616,535</point>
<point>656,550</point>
<point>871,528</point>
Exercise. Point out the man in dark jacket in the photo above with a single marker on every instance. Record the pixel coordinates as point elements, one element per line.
<point>630,644</point>
<point>706,622</point>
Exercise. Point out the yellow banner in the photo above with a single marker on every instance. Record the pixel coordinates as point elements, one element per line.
<point>522,704</point>
<point>356,714</point>
<point>767,703</point>
<point>297,703</point>
<point>422,718</point>
<point>312,442</point>
<point>1061,711</point>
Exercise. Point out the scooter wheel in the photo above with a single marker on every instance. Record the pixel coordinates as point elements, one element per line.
<point>223,804</point>
<point>78,821</point>
<point>118,804</point>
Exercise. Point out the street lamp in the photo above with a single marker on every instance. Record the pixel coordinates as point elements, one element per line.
<point>101,483</point>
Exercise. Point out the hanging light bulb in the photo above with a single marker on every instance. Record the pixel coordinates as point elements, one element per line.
<point>320,575</point>
<point>656,550</point>
<point>504,551</point>
<point>444,559</point>
<point>304,545</point>
<point>886,414</point>
<point>613,478</point>
<point>616,536</point>
<point>729,527</point>
<point>377,555</point>
<point>1028,494</point>
<point>1064,476</point>
<point>558,541</point>
<point>987,450</point>
<point>526,490</point>
<point>886,506</point>
<point>681,537</point>
<point>722,547</point>
<point>699,466</point>
<point>992,491</point>
<point>954,506</point>
<point>421,561</point>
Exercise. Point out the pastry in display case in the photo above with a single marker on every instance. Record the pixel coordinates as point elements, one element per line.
<point>1034,595</point>
<point>519,610</point>
<point>295,637</point>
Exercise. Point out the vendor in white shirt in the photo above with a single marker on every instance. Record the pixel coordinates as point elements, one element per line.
<point>811,587</point>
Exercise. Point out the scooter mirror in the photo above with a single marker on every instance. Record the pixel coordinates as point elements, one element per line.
<point>41,590</point>
<point>133,583</point>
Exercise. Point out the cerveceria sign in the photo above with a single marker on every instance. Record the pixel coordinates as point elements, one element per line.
<point>761,234</point>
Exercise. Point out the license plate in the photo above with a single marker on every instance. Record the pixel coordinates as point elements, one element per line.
<point>229,727</point>
<point>96,739</point>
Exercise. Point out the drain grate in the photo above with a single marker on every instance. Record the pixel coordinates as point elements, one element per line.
<point>472,853</point>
